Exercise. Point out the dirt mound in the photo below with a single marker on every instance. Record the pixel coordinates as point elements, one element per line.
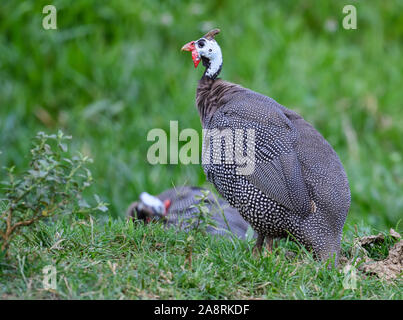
<point>389,268</point>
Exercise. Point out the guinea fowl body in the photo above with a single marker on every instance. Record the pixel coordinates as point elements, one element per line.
<point>296,183</point>
<point>298,186</point>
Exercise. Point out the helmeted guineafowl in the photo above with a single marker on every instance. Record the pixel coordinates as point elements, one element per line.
<point>295,183</point>
<point>176,207</point>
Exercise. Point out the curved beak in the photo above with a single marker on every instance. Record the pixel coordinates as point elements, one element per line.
<point>190,46</point>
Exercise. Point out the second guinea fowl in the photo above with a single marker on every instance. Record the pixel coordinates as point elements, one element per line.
<point>297,184</point>
<point>177,206</point>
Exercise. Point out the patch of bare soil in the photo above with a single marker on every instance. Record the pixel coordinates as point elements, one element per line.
<point>389,268</point>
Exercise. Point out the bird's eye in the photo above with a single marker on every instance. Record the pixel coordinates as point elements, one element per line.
<point>201,43</point>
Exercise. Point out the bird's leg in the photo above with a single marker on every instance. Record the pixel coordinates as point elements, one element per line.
<point>258,246</point>
<point>269,246</point>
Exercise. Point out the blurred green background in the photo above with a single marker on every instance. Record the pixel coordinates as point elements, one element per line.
<point>113,70</point>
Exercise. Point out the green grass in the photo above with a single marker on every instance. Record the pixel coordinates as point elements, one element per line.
<point>113,70</point>
<point>117,259</point>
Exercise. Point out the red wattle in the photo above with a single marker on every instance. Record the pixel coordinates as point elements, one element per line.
<point>195,58</point>
<point>167,204</point>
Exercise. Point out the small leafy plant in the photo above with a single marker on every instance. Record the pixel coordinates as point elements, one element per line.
<point>199,222</point>
<point>53,186</point>
<point>203,218</point>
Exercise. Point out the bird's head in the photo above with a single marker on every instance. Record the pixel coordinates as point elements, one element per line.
<point>206,49</point>
<point>149,208</point>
